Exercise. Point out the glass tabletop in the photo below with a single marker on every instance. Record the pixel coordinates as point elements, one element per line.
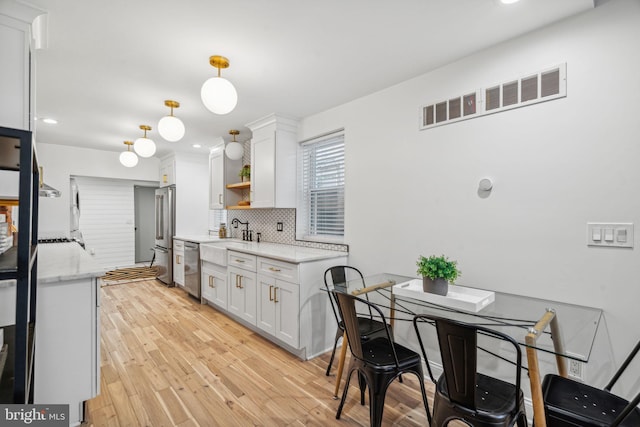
<point>509,313</point>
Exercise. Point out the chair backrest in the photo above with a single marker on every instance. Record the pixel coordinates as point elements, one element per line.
<point>347,308</point>
<point>339,275</point>
<point>458,343</point>
<point>636,400</point>
<point>623,367</point>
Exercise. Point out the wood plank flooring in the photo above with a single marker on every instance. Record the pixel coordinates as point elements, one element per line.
<point>167,360</point>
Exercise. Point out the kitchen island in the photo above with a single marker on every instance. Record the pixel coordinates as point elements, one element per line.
<point>67,351</point>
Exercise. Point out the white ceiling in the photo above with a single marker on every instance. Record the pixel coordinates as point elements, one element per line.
<point>109,65</point>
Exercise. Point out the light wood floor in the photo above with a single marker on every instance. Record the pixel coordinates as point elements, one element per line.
<point>169,361</point>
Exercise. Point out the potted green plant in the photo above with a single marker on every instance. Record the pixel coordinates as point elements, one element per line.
<point>437,272</point>
<point>245,173</point>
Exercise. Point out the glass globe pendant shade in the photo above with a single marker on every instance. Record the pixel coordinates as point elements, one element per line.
<point>128,159</point>
<point>219,95</point>
<point>234,150</point>
<point>144,147</point>
<point>171,128</point>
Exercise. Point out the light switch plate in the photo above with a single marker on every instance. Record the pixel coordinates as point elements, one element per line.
<point>615,235</point>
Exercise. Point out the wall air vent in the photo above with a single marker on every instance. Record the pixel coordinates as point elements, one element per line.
<point>532,88</point>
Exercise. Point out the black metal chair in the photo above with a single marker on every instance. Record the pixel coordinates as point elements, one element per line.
<point>569,403</point>
<point>463,393</point>
<point>368,326</point>
<point>378,361</point>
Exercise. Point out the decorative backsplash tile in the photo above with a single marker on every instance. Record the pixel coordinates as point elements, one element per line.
<point>265,222</point>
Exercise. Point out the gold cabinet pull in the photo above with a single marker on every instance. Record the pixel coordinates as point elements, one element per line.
<point>239,260</point>
<point>277,270</point>
<point>275,294</point>
<point>270,291</point>
<point>240,282</point>
<point>177,259</point>
<point>211,282</point>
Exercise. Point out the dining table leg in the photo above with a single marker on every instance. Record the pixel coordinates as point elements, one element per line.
<point>343,356</point>
<point>537,400</point>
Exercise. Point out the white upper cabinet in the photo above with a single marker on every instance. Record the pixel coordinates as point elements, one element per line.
<point>168,171</point>
<point>17,70</point>
<point>273,158</point>
<point>216,178</point>
<point>222,171</point>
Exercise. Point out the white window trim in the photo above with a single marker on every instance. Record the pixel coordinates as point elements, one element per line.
<point>301,212</point>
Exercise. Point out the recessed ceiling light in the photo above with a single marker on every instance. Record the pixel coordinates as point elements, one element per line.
<point>509,1</point>
<point>196,145</point>
<point>50,121</point>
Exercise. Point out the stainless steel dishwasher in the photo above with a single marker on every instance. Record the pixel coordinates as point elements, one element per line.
<point>192,268</point>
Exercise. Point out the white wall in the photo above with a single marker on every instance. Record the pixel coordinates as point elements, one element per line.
<point>107,220</point>
<point>192,194</point>
<point>555,166</point>
<point>9,184</point>
<point>60,162</point>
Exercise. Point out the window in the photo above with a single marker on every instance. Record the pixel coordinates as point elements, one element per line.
<point>321,202</point>
<point>217,217</point>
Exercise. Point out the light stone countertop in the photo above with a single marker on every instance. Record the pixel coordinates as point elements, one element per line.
<point>197,238</point>
<point>59,262</point>
<point>288,253</point>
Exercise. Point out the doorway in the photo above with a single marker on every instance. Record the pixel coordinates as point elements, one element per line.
<point>144,209</point>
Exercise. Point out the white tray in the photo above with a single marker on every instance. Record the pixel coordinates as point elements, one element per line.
<point>458,297</point>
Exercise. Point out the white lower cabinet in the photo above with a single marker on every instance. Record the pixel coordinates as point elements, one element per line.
<point>242,294</point>
<point>279,309</point>
<point>214,284</point>
<point>178,262</point>
<point>67,350</point>
<point>283,301</point>
<point>242,286</point>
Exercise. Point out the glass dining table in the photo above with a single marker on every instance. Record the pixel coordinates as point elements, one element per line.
<point>566,331</point>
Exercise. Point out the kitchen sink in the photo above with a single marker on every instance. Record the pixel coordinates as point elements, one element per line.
<point>214,253</point>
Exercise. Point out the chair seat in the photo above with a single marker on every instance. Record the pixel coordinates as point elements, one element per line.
<point>494,397</point>
<point>367,327</point>
<point>379,354</point>
<point>571,403</point>
<point>377,361</point>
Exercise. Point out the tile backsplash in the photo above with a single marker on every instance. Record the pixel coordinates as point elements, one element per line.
<point>265,222</point>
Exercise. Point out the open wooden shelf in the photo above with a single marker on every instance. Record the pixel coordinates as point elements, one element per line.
<point>239,185</point>
<point>238,207</point>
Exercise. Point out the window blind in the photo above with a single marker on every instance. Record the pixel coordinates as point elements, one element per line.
<point>322,177</point>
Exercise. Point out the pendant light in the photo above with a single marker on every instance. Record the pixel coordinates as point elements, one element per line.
<point>128,158</point>
<point>144,146</point>
<point>234,150</point>
<point>170,127</point>
<point>217,93</point>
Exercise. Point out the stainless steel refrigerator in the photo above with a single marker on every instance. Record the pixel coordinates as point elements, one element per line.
<point>165,229</point>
